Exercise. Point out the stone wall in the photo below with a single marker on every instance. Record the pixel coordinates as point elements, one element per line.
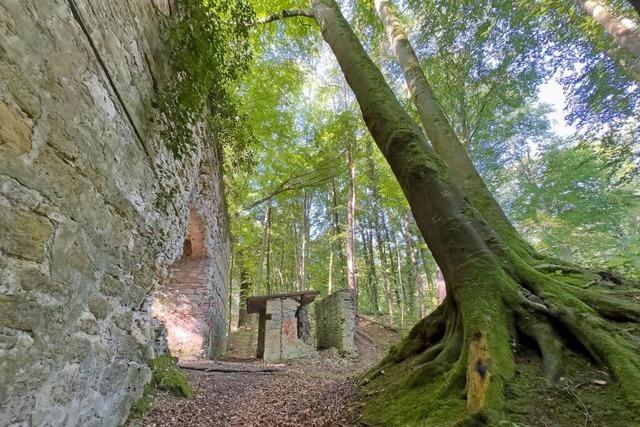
<point>281,332</point>
<point>189,304</point>
<point>336,322</point>
<point>93,208</point>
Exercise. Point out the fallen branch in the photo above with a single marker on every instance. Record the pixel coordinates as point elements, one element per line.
<point>229,370</point>
<point>371,320</point>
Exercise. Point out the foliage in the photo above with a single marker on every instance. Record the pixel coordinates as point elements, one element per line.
<point>209,43</point>
<point>591,65</point>
<point>486,61</point>
<point>579,201</point>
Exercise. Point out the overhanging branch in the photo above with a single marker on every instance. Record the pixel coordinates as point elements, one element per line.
<point>287,13</point>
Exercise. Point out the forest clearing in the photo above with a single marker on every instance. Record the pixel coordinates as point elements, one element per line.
<point>319,212</point>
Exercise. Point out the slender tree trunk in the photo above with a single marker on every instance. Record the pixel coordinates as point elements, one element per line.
<point>367,248</point>
<point>268,254</point>
<point>441,134</point>
<point>413,260</point>
<point>493,289</point>
<point>374,276</point>
<point>401,284</point>
<point>352,280</point>
<point>303,235</point>
<point>244,290</point>
<point>330,281</point>
<point>428,272</point>
<point>338,235</point>
<point>278,270</point>
<point>385,275</point>
<point>623,33</point>
<point>263,247</point>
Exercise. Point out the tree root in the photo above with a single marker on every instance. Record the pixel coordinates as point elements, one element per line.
<point>548,342</point>
<point>465,347</point>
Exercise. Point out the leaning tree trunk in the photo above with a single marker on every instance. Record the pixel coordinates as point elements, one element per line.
<point>493,290</point>
<point>441,134</point>
<point>622,32</point>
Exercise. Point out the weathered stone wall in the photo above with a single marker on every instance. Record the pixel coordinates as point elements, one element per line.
<point>281,341</point>
<point>336,322</point>
<point>189,304</point>
<point>93,209</point>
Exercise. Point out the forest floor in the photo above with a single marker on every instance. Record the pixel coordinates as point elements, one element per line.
<point>316,391</point>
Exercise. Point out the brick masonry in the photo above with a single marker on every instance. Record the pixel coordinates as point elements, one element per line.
<point>191,304</point>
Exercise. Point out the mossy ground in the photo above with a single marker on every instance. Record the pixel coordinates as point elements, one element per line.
<point>586,395</point>
<point>165,376</point>
<point>142,405</point>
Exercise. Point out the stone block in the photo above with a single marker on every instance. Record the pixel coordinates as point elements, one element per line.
<point>336,322</point>
<point>24,234</point>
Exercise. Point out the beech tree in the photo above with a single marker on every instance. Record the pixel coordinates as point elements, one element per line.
<point>497,285</point>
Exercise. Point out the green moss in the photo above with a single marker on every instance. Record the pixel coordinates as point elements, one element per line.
<point>576,399</point>
<point>142,405</point>
<point>585,392</point>
<point>167,376</point>
<point>391,403</point>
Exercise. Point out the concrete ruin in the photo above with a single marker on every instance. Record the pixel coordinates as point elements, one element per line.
<point>336,322</point>
<point>283,329</point>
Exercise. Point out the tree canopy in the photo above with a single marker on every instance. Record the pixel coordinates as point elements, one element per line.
<point>522,208</point>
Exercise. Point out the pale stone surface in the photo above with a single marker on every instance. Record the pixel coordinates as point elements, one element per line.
<point>281,340</point>
<point>83,237</point>
<point>336,322</point>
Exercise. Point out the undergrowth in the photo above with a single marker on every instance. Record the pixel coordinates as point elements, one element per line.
<point>165,375</point>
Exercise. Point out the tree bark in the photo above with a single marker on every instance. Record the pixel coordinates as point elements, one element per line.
<point>493,289</point>
<point>337,233</point>
<point>330,280</point>
<point>440,132</point>
<point>383,270</point>
<point>263,246</point>
<point>367,248</point>
<point>413,260</point>
<point>245,290</point>
<point>624,34</point>
<point>352,280</point>
<point>304,236</point>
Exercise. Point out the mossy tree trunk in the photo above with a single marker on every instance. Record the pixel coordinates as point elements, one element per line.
<point>496,289</point>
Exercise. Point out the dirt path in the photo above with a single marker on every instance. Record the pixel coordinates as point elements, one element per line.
<point>317,392</point>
